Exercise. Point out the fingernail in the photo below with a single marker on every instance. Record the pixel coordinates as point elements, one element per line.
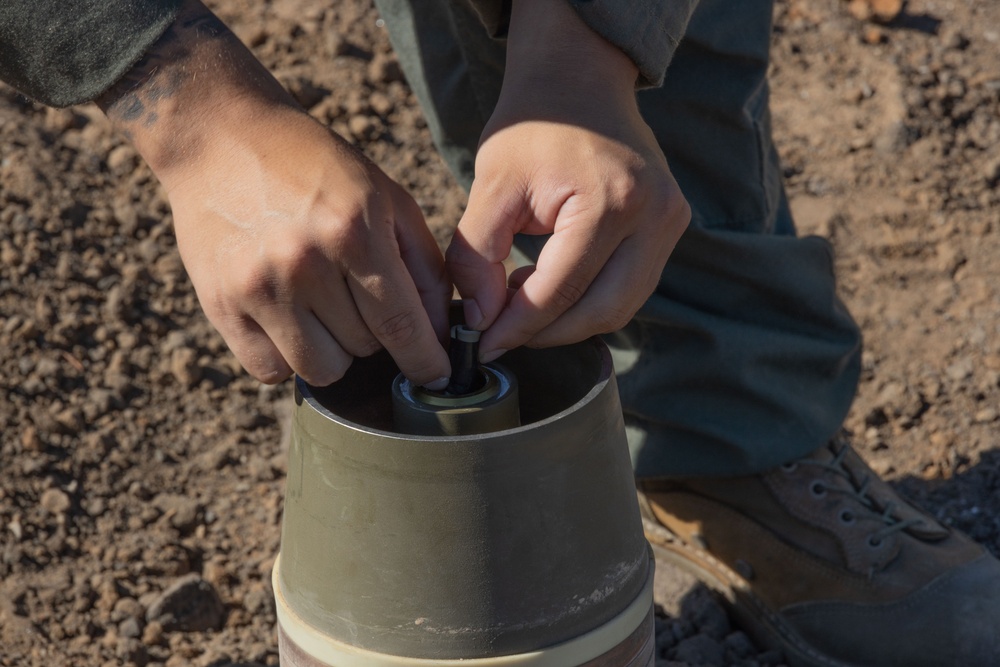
<point>473,315</point>
<point>490,356</point>
<point>438,385</point>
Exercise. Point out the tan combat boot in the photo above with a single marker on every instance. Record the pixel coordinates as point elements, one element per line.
<point>824,560</point>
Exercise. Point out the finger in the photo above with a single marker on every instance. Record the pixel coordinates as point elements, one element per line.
<point>571,259</point>
<point>304,342</point>
<point>255,351</point>
<point>390,305</point>
<point>424,262</point>
<point>475,257</point>
<point>334,307</point>
<point>614,297</point>
<point>517,277</point>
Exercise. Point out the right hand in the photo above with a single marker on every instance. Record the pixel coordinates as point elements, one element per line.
<point>303,253</point>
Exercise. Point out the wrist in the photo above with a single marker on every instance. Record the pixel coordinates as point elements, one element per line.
<point>197,81</point>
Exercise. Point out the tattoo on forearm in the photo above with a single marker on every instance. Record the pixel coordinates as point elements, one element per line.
<point>160,73</point>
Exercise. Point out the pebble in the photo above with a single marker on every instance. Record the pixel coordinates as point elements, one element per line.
<point>184,366</point>
<point>700,650</point>
<point>54,501</point>
<point>183,512</point>
<point>191,604</point>
<point>384,68</point>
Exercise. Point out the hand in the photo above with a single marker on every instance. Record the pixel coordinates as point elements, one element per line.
<point>303,253</point>
<point>565,152</point>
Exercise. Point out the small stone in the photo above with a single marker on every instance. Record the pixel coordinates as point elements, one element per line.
<point>152,634</point>
<point>860,9</point>
<point>306,92</point>
<point>129,628</point>
<point>121,158</point>
<point>384,69</point>
<point>335,44</point>
<point>707,614</point>
<point>184,366</point>
<point>886,10</point>
<point>131,652</point>
<point>182,512</point>
<point>54,501</point>
<point>874,35</point>
<point>70,420</point>
<point>739,645</point>
<point>381,104</point>
<point>30,440</point>
<point>985,416</point>
<point>700,650</point>
<point>191,604</point>
<point>258,600</point>
<point>362,127</point>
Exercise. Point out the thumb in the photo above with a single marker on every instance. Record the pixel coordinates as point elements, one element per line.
<point>475,257</point>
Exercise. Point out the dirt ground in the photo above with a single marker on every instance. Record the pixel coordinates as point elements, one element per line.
<point>141,470</point>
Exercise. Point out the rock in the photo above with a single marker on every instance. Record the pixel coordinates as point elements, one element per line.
<point>184,366</point>
<point>54,501</point>
<point>182,512</point>
<point>860,9</point>
<point>306,92</point>
<point>362,127</point>
<point>700,650</point>
<point>129,628</point>
<point>739,645</point>
<point>121,159</point>
<point>30,440</point>
<point>707,614</point>
<point>874,35</point>
<point>131,652</point>
<point>381,104</point>
<point>191,604</point>
<point>258,600</point>
<point>152,634</point>
<point>384,69</point>
<point>886,10</point>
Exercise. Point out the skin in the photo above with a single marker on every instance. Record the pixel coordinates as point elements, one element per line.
<point>565,152</point>
<point>305,255</point>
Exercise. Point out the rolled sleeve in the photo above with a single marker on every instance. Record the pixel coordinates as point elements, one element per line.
<point>62,53</point>
<point>647,31</point>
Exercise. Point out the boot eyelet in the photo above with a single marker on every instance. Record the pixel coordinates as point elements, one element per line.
<point>789,467</point>
<point>874,542</point>
<point>817,489</point>
<point>847,517</point>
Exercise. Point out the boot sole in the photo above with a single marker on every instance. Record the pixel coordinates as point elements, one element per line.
<point>762,624</point>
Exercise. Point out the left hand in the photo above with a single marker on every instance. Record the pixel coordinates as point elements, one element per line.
<point>565,152</point>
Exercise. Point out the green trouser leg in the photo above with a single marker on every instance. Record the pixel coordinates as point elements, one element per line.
<point>744,357</point>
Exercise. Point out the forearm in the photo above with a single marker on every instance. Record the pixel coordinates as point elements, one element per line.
<point>548,39</point>
<point>196,81</point>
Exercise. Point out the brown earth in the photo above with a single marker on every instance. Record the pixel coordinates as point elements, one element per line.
<point>141,470</point>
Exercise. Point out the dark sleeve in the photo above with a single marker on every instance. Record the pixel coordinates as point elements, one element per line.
<point>647,31</point>
<point>63,52</point>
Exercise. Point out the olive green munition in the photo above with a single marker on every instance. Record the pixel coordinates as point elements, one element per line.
<point>511,537</point>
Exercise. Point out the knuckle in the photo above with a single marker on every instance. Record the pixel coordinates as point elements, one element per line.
<point>295,259</point>
<point>269,368</point>
<point>326,376</point>
<point>625,192</point>
<point>364,348</point>
<point>612,318</point>
<point>398,330</point>
<point>320,370</point>
<point>566,293</point>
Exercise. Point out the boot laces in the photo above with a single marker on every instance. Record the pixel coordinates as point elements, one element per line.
<point>858,490</point>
